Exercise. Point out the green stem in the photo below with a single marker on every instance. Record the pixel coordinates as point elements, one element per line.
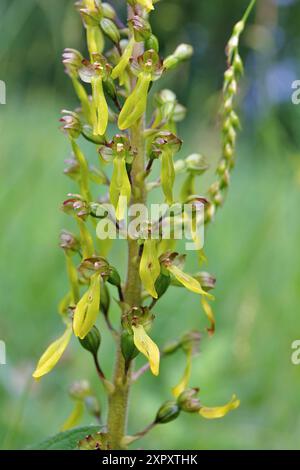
<point>118,400</point>
<point>248,11</point>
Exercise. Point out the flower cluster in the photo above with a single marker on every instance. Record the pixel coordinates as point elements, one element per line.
<point>230,119</point>
<point>113,87</point>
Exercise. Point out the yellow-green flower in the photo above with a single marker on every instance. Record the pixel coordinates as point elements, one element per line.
<point>53,354</point>
<point>150,267</point>
<point>120,188</point>
<point>136,103</point>
<point>167,174</point>
<point>147,347</point>
<point>100,104</point>
<point>187,281</point>
<point>120,68</point>
<point>95,40</point>
<point>87,309</point>
<point>219,411</point>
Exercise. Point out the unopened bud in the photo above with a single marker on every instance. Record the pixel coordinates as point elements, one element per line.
<point>152,43</point>
<point>239,28</point>
<point>108,11</point>
<point>110,87</point>
<point>196,164</point>
<point>92,341</point>
<point>110,30</point>
<point>104,298</point>
<point>114,277</point>
<point>179,113</point>
<point>128,348</point>
<point>162,284</point>
<point>68,241</point>
<point>228,151</point>
<point>210,213</point>
<point>168,412</point>
<point>141,28</point>
<point>72,60</point>
<point>71,124</point>
<point>183,52</point>
<point>238,64</point>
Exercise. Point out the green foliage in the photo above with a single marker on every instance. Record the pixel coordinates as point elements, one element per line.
<point>67,440</point>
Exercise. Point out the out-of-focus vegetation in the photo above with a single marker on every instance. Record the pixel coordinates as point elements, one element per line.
<point>252,248</point>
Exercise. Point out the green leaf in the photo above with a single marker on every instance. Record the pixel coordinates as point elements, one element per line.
<point>67,440</point>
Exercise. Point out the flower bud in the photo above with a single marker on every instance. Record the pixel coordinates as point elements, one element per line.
<point>104,298</point>
<point>238,64</point>
<point>196,164</point>
<point>152,43</point>
<point>92,341</point>
<point>108,11</point>
<point>110,30</point>
<point>182,53</point>
<point>228,151</point>
<point>238,28</point>
<point>95,264</point>
<point>71,124</point>
<point>162,284</point>
<point>179,113</point>
<point>179,166</point>
<point>69,242</point>
<point>110,87</point>
<point>76,206</point>
<point>167,412</point>
<point>72,60</point>
<point>114,277</point>
<point>141,28</point>
<point>128,348</point>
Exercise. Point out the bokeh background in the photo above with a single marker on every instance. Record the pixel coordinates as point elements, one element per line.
<point>252,248</point>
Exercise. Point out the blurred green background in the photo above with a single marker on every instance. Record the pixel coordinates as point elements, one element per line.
<point>252,248</point>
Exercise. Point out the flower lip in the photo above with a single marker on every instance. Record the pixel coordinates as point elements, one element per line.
<point>149,63</point>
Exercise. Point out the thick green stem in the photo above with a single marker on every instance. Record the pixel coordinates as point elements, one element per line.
<point>118,401</point>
